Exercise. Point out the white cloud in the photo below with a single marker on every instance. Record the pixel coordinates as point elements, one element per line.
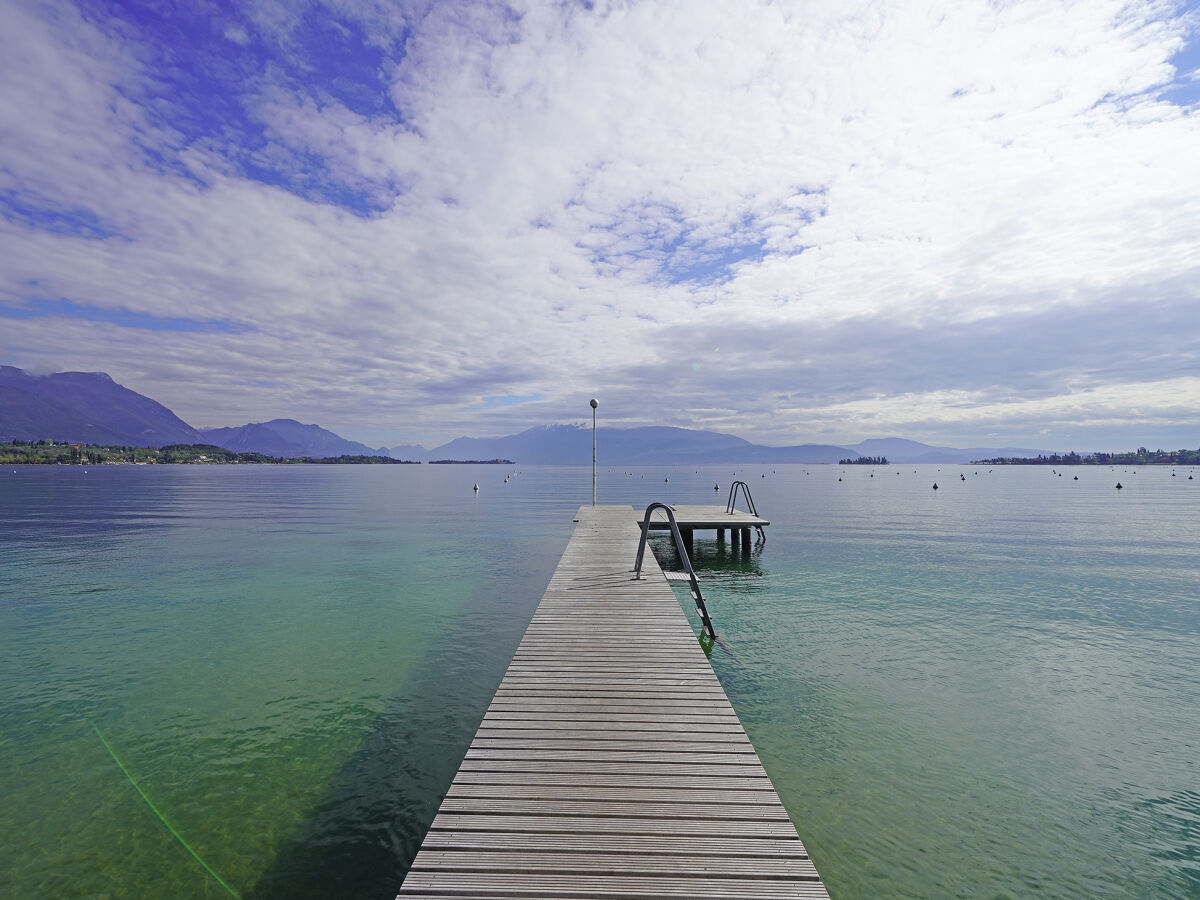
<point>1153,403</point>
<point>928,165</point>
<point>237,33</point>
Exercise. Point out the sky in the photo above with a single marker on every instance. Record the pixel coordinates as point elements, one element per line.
<point>966,223</point>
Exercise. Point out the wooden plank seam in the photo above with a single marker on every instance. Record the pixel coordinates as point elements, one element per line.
<point>610,763</point>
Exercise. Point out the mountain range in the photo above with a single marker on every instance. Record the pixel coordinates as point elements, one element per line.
<point>660,445</point>
<point>287,438</point>
<point>89,407</point>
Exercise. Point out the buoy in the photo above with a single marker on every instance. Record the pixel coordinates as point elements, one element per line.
<point>1076,478</point>
<point>1119,485</point>
<point>666,480</point>
<point>935,487</point>
<point>716,487</point>
<point>477,487</point>
<point>839,479</point>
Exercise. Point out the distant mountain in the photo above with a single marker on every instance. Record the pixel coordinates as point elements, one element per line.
<point>410,452</point>
<point>798,453</point>
<point>89,407</point>
<point>544,445</point>
<point>288,438</point>
<point>895,449</point>
<point>572,445</point>
<point>85,407</point>
<point>654,445</point>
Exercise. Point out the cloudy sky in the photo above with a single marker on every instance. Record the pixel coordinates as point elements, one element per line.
<point>971,223</point>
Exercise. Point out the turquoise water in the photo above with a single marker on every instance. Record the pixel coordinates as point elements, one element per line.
<point>991,690</point>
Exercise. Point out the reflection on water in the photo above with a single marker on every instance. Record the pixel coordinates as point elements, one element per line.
<point>710,557</point>
<point>987,690</point>
<point>260,646</point>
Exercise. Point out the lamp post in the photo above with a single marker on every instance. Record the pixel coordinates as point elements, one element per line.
<point>595,403</point>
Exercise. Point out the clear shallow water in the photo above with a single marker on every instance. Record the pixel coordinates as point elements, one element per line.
<point>992,690</point>
<point>288,661</point>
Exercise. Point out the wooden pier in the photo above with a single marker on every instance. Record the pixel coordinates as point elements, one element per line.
<point>610,762</point>
<point>702,518</point>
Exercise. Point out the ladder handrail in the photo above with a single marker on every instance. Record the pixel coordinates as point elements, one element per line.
<point>683,555</point>
<point>733,490</point>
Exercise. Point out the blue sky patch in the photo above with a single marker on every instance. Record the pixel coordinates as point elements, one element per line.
<point>39,308</point>
<point>193,53</point>
<point>1185,89</point>
<point>509,400</point>
<point>24,208</point>
<point>682,252</point>
<point>715,266</point>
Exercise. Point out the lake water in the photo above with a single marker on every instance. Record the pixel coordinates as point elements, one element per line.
<point>990,690</point>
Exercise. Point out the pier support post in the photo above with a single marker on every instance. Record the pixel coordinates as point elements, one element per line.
<point>686,534</point>
<point>735,537</point>
<point>720,535</point>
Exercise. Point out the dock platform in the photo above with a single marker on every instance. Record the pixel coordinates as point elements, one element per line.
<point>701,518</point>
<point>610,762</point>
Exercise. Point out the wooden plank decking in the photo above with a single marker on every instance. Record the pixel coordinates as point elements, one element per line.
<point>610,763</point>
<point>701,518</point>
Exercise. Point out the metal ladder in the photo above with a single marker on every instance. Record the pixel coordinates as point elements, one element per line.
<point>683,555</point>
<point>733,493</point>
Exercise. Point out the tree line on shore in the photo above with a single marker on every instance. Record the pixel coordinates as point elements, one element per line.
<point>48,452</point>
<point>1139,457</point>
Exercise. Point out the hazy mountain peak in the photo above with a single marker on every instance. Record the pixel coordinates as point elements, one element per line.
<point>90,407</point>
<point>102,376</point>
<point>286,437</point>
<point>85,407</point>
